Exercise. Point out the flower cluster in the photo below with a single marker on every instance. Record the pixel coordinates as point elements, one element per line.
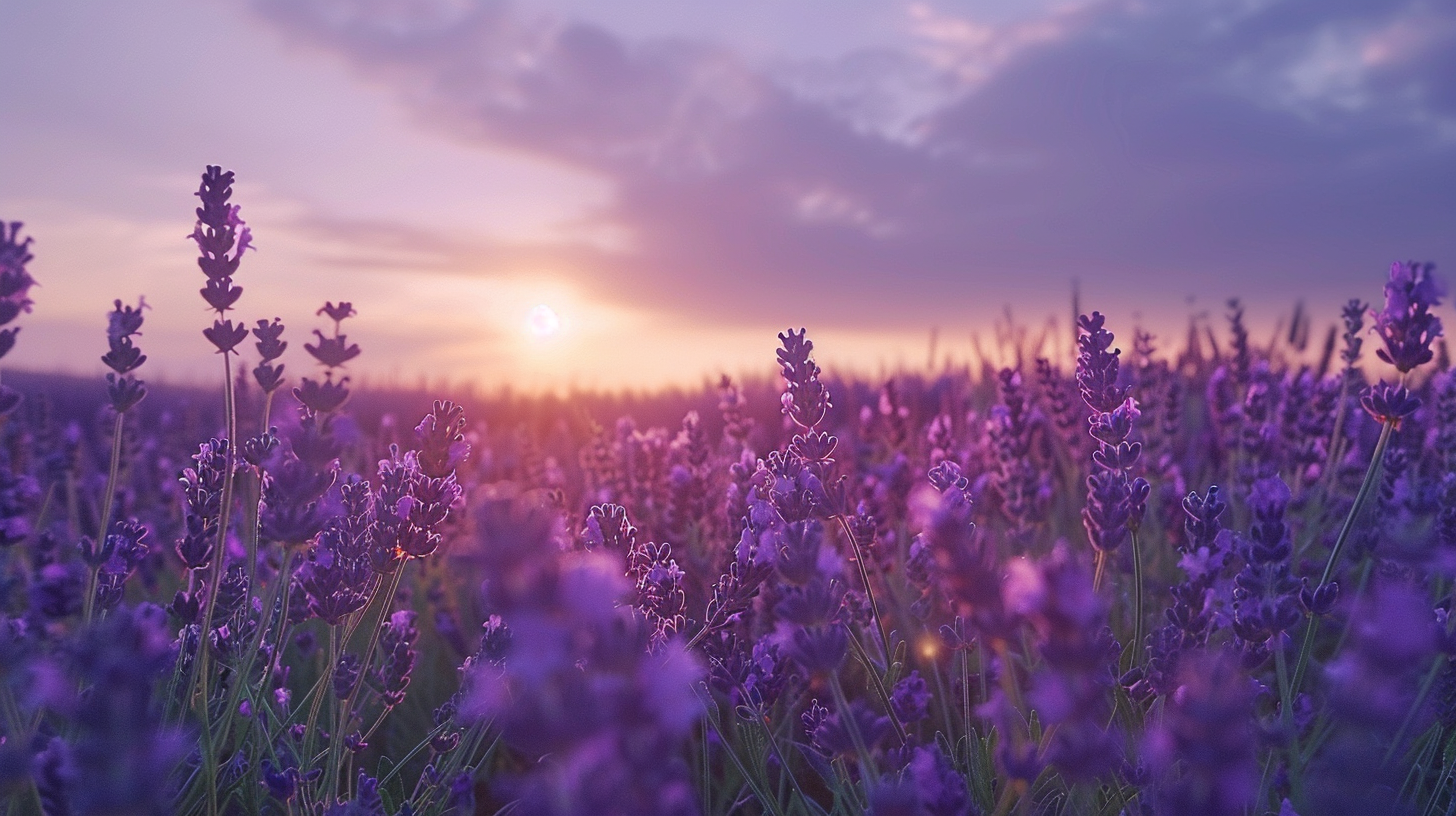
<point>1115,501</point>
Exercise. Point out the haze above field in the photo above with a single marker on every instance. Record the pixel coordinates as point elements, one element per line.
<point>676,180</point>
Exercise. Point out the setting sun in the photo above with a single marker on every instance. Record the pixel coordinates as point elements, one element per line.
<point>543,321</point>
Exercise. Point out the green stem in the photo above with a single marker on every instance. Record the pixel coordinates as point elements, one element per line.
<point>767,801</point>
<point>204,646</point>
<point>1099,571</point>
<point>877,684</point>
<point>1365,487</point>
<point>108,499</point>
<point>965,656</point>
<point>864,577</point>
<point>1337,431</point>
<point>1286,709</point>
<point>347,704</point>
<point>324,686</point>
<point>1307,648</point>
<point>1137,600</point>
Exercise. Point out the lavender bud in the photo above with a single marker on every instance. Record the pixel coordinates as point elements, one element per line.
<point>1321,600</point>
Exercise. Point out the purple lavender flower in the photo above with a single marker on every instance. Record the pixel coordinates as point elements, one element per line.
<point>1018,482</point>
<point>806,400</point>
<point>1373,685</point>
<point>1266,594</point>
<point>1406,324</point>
<point>1389,403</point>
<point>221,238</point>
<point>833,734</point>
<point>410,509</point>
<point>580,682</point>
<point>812,624</point>
<point>337,577</point>
<point>396,656</point>
<point>124,357</point>
<point>1392,637</point>
<point>1203,749</point>
<point>119,753</point>
<point>332,352</point>
<point>1080,655</point>
<point>1353,315</point>
<point>442,440</point>
<point>1242,359</point>
<point>292,489</point>
<point>1097,365</point>
<point>15,283</point>
<point>270,347</point>
<point>202,490</point>
<point>1115,501</point>
<point>958,562</point>
<point>929,785</point>
<point>127,549</point>
<point>911,698</point>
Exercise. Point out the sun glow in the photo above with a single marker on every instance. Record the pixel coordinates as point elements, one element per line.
<point>543,321</point>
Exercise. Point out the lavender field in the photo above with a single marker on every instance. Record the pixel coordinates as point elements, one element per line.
<point>1201,575</point>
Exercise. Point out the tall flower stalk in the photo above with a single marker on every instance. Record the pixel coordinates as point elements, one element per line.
<point>1116,501</point>
<point>221,237</point>
<point>1407,328</point>
<point>124,391</point>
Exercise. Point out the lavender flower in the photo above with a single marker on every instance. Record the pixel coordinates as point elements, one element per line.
<point>1353,315</point>
<point>1071,689</point>
<point>202,490</point>
<point>124,357</point>
<point>1203,749</point>
<point>911,699</point>
<point>1017,480</point>
<point>15,283</point>
<point>270,347</point>
<point>442,440</point>
<point>1406,324</point>
<point>1266,594</point>
<point>958,562</point>
<point>221,238</point>
<point>1389,403</point>
<point>579,681</point>
<point>806,400</point>
<point>1115,502</point>
<point>331,352</point>
<point>396,656</point>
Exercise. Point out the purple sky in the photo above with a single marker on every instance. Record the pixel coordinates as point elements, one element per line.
<point>681,179</point>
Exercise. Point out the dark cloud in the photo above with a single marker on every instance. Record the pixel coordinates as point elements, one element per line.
<point>1211,147</point>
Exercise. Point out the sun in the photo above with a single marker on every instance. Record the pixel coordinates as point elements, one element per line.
<point>543,321</point>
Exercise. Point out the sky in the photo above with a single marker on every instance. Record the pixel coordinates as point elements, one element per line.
<point>676,181</point>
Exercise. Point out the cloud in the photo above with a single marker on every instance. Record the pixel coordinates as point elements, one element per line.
<point>1161,148</point>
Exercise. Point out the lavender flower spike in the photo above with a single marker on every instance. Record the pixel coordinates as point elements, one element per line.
<point>221,238</point>
<point>1406,323</point>
<point>806,400</point>
<point>15,285</point>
